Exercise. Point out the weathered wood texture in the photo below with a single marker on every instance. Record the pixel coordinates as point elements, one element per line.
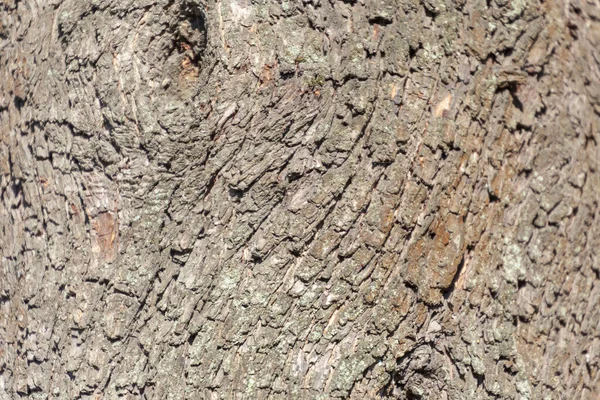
<point>299,199</point>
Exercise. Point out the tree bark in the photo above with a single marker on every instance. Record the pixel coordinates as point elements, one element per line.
<point>251,199</point>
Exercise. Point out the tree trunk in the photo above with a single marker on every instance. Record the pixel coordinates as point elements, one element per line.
<point>317,199</point>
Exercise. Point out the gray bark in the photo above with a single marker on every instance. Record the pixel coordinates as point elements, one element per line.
<point>308,199</point>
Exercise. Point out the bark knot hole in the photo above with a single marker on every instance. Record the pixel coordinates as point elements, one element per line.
<point>190,36</point>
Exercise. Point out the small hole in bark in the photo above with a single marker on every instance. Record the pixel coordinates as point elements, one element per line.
<point>516,102</point>
<point>430,14</point>
<point>180,257</point>
<point>412,396</point>
<point>19,102</point>
<point>236,194</point>
<point>573,28</point>
<point>412,51</point>
<point>286,75</point>
<point>575,8</point>
<point>380,21</point>
<point>384,164</point>
<point>507,52</point>
<point>412,286</point>
<point>541,111</point>
<point>493,197</point>
<point>479,379</point>
<point>16,188</point>
<point>590,141</point>
<point>191,338</point>
<point>292,176</point>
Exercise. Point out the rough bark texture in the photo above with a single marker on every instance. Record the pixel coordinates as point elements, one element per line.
<point>302,199</point>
